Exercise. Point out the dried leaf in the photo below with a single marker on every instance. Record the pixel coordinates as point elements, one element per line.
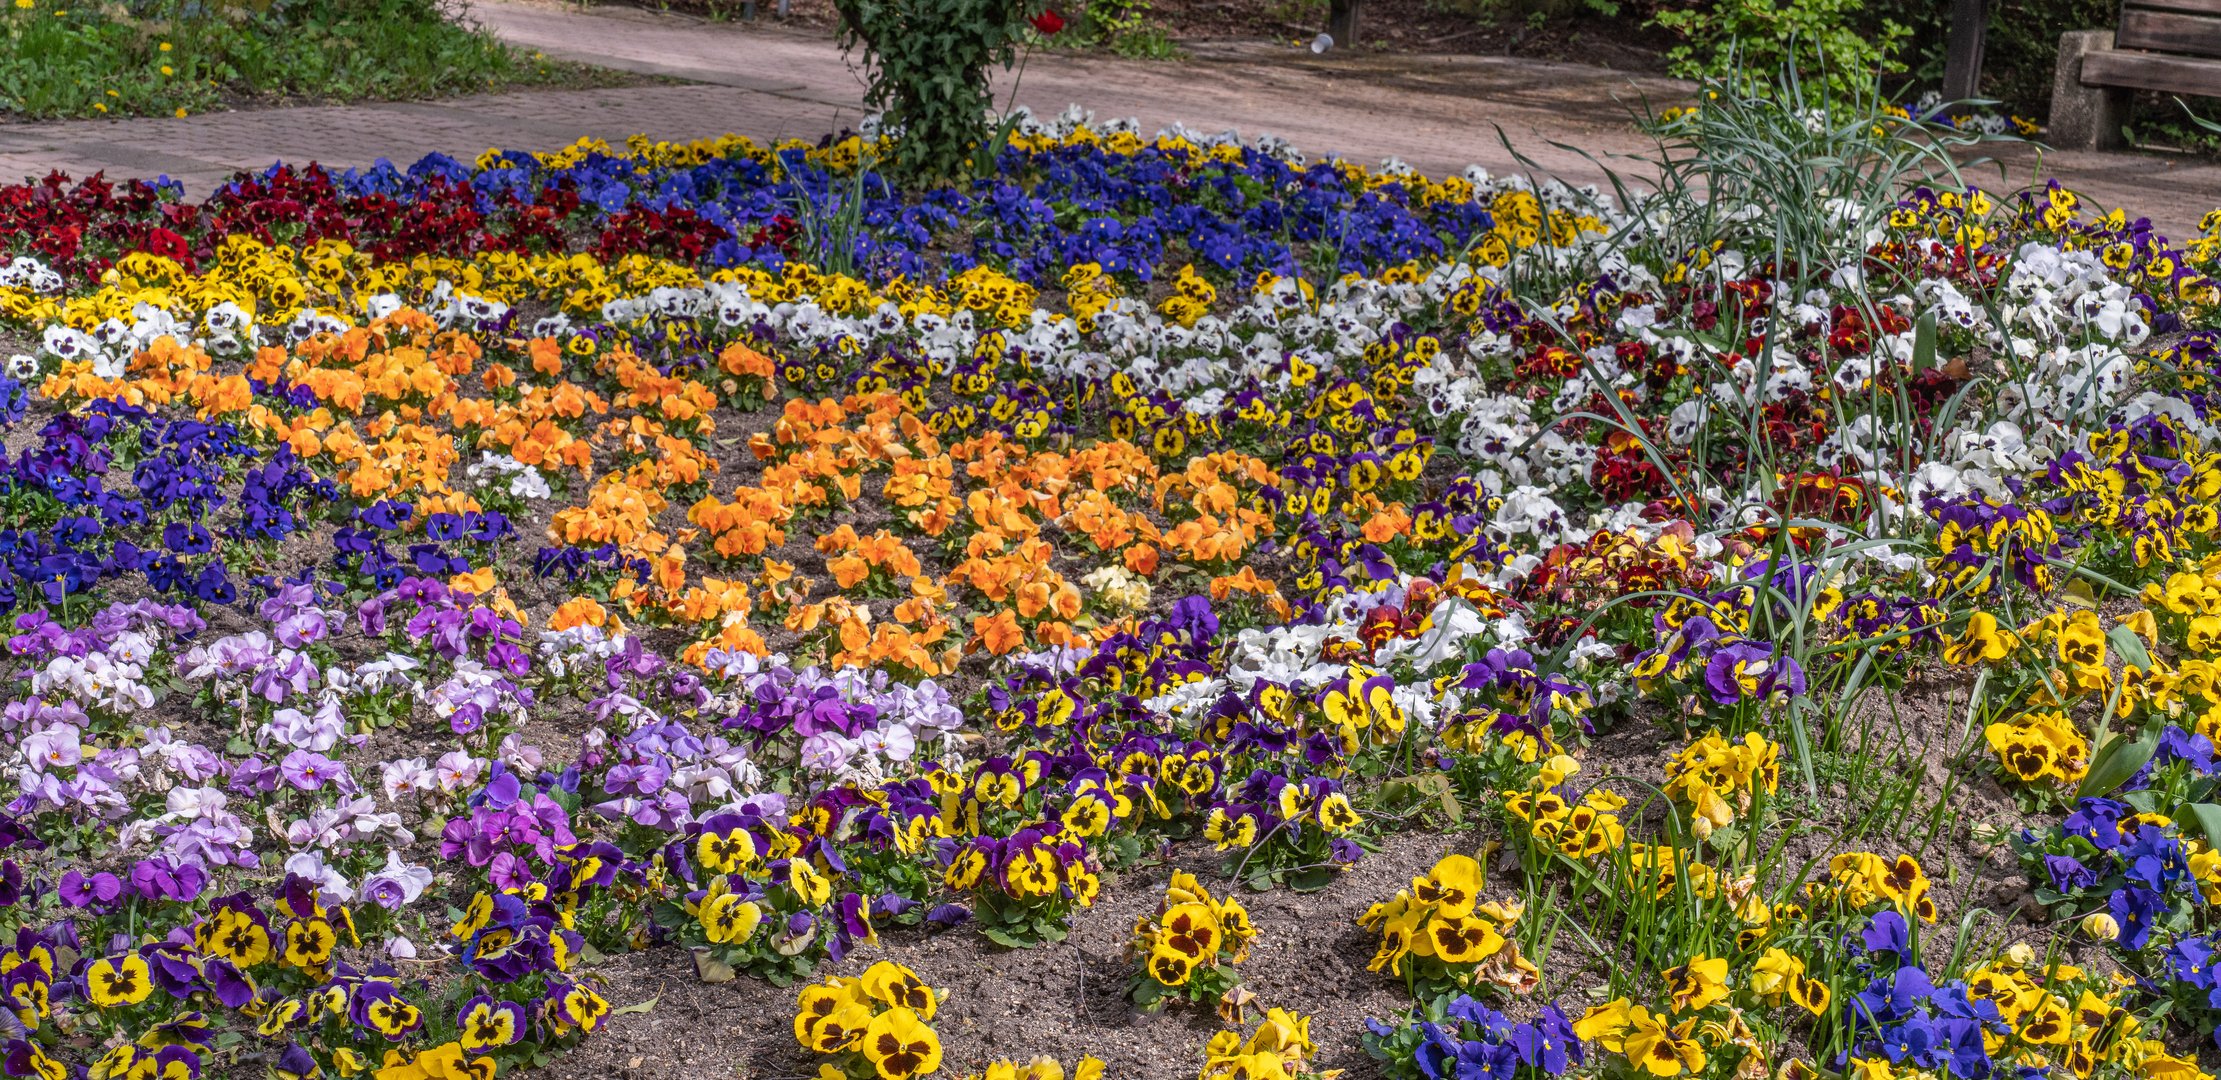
<point>710,969</point>
<point>1232,1002</point>
<point>1513,972</point>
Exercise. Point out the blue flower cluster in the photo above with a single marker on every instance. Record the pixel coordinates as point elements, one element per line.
<point>197,497</point>
<point>1904,1017</point>
<point>1077,203</point>
<point>71,524</point>
<point>2124,849</point>
<point>361,548</point>
<point>1464,1039</point>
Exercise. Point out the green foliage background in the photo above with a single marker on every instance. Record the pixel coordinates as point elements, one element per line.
<point>2023,42</point>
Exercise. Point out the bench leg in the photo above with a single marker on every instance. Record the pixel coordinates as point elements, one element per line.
<point>1341,23</point>
<point>2084,117</point>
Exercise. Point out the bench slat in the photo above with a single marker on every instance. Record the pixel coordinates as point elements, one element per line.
<point>2194,7</point>
<point>2147,71</point>
<point>2169,32</point>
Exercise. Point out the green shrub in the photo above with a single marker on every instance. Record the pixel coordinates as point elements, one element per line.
<point>929,61</point>
<point>1825,40</point>
<point>1123,27</point>
<point>65,58</point>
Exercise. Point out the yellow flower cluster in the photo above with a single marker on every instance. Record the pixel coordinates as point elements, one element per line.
<point>1716,779</point>
<point>1859,878</point>
<point>1440,926</point>
<point>1041,1068</point>
<point>1652,1042</point>
<point>1778,976</point>
<point>1580,830</point>
<point>1279,1049</point>
<point>1190,933</point>
<point>2064,1014</point>
<point>2041,744</point>
<point>877,1024</point>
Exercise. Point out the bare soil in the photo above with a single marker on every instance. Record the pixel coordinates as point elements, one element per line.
<point>1060,1000</point>
<point>1069,999</point>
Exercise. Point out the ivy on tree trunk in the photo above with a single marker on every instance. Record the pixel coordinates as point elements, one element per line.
<point>929,64</point>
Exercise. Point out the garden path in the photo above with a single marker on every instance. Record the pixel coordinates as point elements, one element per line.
<point>1439,113</point>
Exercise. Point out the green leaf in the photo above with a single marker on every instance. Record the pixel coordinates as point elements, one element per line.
<point>1409,791</point>
<point>1002,937</point>
<point>2117,760</point>
<point>1312,879</point>
<point>1924,343</point>
<point>2206,817</point>
<point>2131,648</point>
<point>636,1009</point>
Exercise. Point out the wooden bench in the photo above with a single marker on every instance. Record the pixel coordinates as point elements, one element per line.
<point>2171,46</point>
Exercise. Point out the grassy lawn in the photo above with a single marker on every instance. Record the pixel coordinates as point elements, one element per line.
<point>65,58</point>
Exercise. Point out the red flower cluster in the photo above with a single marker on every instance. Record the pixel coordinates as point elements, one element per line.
<point>55,220</point>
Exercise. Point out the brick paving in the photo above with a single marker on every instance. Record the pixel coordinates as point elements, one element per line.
<point>1439,113</point>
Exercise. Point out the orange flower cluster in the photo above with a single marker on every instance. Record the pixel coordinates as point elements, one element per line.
<point>533,428</point>
<point>1227,523</point>
<point>932,549</point>
<point>615,512</point>
<point>853,559</point>
<point>995,507</point>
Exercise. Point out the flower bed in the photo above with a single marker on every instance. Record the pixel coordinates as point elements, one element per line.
<point>428,585</point>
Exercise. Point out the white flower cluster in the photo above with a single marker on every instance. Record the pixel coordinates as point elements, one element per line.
<point>516,477</point>
<point>1293,655</point>
<point>111,679</point>
<point>30,275</point>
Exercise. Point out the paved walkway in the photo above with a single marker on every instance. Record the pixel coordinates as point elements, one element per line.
<point>1439,113</point>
